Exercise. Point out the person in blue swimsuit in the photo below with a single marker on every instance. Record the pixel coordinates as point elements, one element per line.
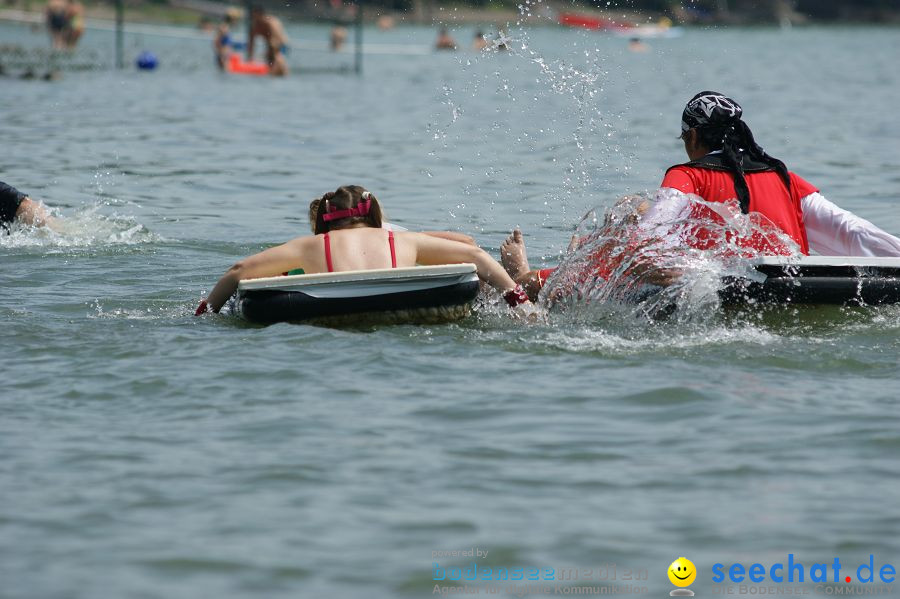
<point>223,43</point>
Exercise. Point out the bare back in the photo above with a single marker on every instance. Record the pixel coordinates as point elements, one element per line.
<point>270,29</point>
<point>356,249</point>
<point>278,37</point>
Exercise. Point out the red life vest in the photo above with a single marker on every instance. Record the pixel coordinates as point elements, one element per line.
<point>771,200</point>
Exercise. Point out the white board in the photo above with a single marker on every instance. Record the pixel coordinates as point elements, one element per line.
<point>360,283</point>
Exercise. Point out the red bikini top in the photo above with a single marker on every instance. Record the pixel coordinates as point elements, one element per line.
<point>328,251</point>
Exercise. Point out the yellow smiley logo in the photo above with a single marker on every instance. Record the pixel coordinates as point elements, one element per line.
<point>682,572</point>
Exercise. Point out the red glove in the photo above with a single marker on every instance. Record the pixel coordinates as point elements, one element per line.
<point>515,296</point>
<point>202,308</point>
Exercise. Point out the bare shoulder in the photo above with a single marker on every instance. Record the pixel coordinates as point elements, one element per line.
<point>304,242</point>
<point>410,237</point>
<point>296,246</point>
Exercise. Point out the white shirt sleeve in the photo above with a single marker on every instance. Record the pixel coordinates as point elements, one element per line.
<point>670,206</point>
<point>833,231</point>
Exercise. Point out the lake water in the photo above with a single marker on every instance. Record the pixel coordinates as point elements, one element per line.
<point>148,453</point>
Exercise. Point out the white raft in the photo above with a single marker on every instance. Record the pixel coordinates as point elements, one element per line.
<point>421,294</point>
<point>823,280</point>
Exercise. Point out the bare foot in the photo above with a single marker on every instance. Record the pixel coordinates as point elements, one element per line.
<point>513,256</point>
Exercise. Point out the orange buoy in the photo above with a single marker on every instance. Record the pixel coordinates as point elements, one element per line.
<point>236,65</point>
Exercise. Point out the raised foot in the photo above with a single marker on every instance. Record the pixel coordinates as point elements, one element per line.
<point>513,255</point>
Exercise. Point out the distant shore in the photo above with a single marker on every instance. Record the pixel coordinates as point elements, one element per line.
<point>203,13</point>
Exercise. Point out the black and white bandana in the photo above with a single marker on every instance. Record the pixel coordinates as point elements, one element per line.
<point>709,108</point>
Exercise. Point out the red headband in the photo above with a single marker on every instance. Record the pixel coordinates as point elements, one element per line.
<point>361,209</point>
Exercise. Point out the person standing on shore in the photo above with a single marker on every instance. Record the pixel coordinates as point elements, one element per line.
<point>272,31</point>
<point>338,37</point>
<point>57,22</point>
<point>223,42</point>
<point>74,23</point>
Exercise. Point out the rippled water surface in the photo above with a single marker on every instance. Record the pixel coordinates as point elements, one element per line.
<point>148,453</point>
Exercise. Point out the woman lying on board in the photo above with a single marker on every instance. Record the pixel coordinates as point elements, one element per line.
<point>349,236</point>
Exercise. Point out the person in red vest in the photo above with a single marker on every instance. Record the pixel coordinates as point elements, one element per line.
<point>726,163</point>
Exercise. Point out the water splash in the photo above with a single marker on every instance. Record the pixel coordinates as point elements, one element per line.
<point>611,341</point>
<point>580,141</point>
<point>151,309</point>
<point>622,267</point>
<point>87,227</point>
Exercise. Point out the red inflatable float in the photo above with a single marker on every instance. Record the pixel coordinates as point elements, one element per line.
<point>237,65</point>
<point>583,21</point>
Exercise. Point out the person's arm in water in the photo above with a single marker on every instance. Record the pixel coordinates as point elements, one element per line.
<point>268,263</point>
<point>431,250</point>
<point>17,206</point>
<point>833,231</point>
<point>34,213</point>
